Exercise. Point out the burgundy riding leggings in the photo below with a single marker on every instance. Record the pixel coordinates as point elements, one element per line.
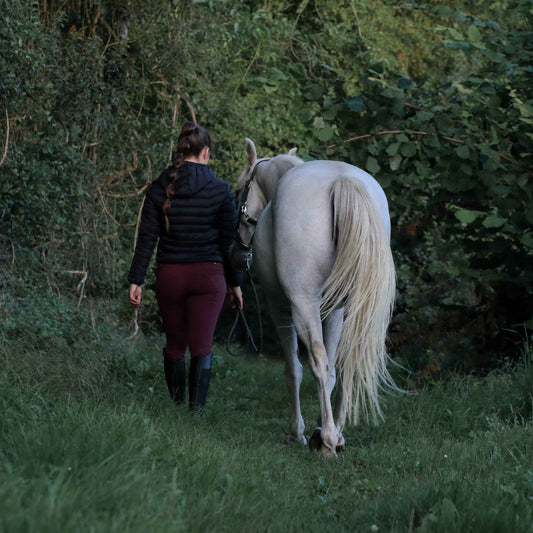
<point>190,298</point>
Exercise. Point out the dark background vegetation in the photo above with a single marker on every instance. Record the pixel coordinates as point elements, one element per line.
<point>433,100</point>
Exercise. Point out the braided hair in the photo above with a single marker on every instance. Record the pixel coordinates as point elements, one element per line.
<point>191,141</point>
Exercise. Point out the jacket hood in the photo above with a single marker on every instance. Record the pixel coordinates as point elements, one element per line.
<point>192,177</point>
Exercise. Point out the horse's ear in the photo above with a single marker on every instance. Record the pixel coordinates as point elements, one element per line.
<point>251,152</point>
<point>293,151</point>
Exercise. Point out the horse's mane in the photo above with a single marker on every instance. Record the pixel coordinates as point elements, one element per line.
<point>284,161</point>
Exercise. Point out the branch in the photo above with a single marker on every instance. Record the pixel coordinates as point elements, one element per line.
<point>367,135</point>
<point>7,140</point>
<point>81,285</point>
<point>61,7</point>
<point>127,194</point>
<point>106,210</point>
<point>190,107</point>
<point>175,116</point>
<point>357,18</point>
<point>397,132</point>
<point>407,104</point>
<point>57,242</point>
<point>129,170</point>
<point>241,81</point>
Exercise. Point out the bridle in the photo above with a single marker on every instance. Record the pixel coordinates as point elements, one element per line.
<point>243,210</point>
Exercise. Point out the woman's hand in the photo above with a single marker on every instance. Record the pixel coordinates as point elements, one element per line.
<point>135,295</point>
<point>235,295</point>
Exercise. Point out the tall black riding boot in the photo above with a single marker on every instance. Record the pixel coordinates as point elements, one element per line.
<point>176,379</point>
<point>199,377</point>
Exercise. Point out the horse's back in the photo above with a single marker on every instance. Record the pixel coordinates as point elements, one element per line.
<point>310,184</point>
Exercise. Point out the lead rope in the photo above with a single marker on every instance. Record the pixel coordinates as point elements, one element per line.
<point>240,314</point>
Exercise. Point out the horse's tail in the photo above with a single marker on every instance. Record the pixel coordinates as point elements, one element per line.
<point>363,281</point>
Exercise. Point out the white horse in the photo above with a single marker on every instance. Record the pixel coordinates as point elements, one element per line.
<point>321,241</point>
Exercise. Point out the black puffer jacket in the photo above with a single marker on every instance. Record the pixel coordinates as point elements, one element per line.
<point>202,219</point>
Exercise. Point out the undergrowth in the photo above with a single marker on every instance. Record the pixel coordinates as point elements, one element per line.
<point>90,441</point>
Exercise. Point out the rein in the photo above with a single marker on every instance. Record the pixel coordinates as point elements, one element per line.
<point>243,212</point>
<point>240,315</point>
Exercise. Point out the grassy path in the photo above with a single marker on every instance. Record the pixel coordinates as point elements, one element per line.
<point>94,444</point>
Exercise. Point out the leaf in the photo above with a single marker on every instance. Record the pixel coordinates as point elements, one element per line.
<point>298,70</point>
<point>493,136</point>
<point>392,149</point>
<point>424,116</point>
<point>277,75</point>
<point>454,34</point>
<point>432,141</point>
<point>324,134</point>
<point>269,89</point>
<point>526,109</point>
<point>405,83</point>
<point>474,35</point>
<point>527,240</point>
<point>319,123</point>
<point>393,92</point>
<point>314,91</point>
<point>372,165</point>
<point>487,88</point>
<point>356,104</point>
<point>466,216</point>
<point>408,149</point>
<point>422,169</point>
<point>444,123</point>
<point>395,162</point>
<point>443,11</point>
<point>492,221</point>
<point>322,130</point>
<point>463,151</point>
<point>330,113</point>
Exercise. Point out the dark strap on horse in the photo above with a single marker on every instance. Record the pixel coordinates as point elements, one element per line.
<point>240,315</point>
<point>243,211</point>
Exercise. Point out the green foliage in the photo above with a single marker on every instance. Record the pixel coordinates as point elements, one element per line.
<point>95,94</point>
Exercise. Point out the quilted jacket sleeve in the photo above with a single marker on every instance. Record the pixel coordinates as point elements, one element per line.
<point>149,231</point>
<point>228,223</point>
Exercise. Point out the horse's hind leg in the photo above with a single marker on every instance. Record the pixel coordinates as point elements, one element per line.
<point>293,377</point>
<point>332,328</point>
<point>293,370</point>
<point>306,317</point>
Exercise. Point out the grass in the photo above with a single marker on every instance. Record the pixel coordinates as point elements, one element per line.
<point>90,441</point>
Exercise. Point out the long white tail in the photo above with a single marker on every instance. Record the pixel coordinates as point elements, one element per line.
<point>363,281</point>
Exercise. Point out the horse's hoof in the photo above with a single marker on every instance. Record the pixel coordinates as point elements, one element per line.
<point>328,453</point>
<point>341,444</point>
<point>293,439</point>
<point>315,441</point>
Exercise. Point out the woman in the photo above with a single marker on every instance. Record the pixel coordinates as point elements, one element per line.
<point>193,216</point>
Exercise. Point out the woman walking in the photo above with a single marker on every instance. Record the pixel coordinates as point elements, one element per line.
<point>192,215</point>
